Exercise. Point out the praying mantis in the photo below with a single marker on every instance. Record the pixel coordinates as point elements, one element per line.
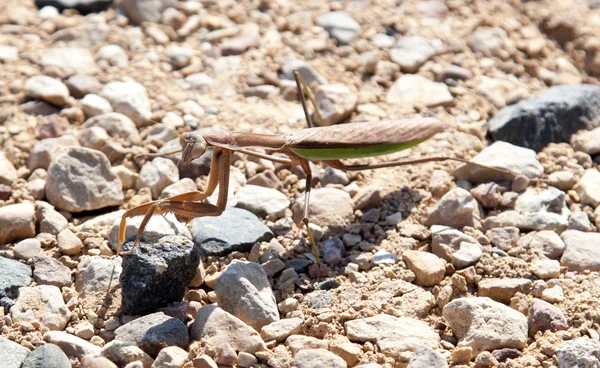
<point>327,144</point>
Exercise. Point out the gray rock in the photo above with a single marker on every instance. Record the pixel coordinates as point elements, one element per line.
<point>335,102</point>
<point>445,241</point>
<point>578,353</point>
<point>469,320</point>
<point>71,345</point>
<point>581,251</point>
<point>139,11</point>
<point>116,125</point>
<point>579,220</point>
<point>157,227</point>
<point>156,273</point>
<point>425,357</point>
<point>47,89</point>
<point>412,89</point>
<point>113,54</point>
<point>529,221</point>
<point>42,303</point>
<point>157,175</point>
<point>318,358</point>
<point>457,209</point>
<point>80,85</point>
<point>70,59</point>
<point>199,81</point>
<point>504,156</point>
<point>179,56</point>
<point>551,117</point>
<point>17,221</point>
<point>80,179</point>
<point>124,353</point>
<point>329,207</point>
<point>49,271</point>
<point>489,41</point>
<point>244,291</point>
<point>130,99</point>
<point>262,201</point>
<point>340,26</point>
<point>413,51</point>
<point>334,176</point>
<point>333,251</point>
<point>47,356</point>
<point>234,230</point>
<point>319,299</point>
<point>96,278</point>
<point>217,327</point>
<point>382,256</point>
<point>307,72</point>
<point>11,353</point>
<point>153,332</point>
<point>13,276</point>
<point>43,151</point>
<point>547,200</point>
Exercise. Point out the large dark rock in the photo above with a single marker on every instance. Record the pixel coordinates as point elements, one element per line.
<point>47,356</point>
<point>12,354</point>
<point>550,117</point>
<point>156,273</point>
<point>82,6</point>
<point>235,230</point>
<point>13,275</point>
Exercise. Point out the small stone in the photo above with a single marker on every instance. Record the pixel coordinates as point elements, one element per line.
<point>581,251</point>
<point>113,54</point>
<point>80,85</point>
<point>96,277</point>
<point>340,26</point>
<point>47,89</point>
<point>425,357</point>
<point>335,102</point>
<point>128,177</point>
<point>116,125</point>
<point>9,53</point>
<point>581,352</point>
<point>157,175</point>
<point>546,243</point>
<point>27,248</point>
<point>334,176</point>
<point>413,51</point>
<point>457,209</point>
<point>504,238</point>
<point>69,59</point>
<point>318,358</point>
<point>218,327</point>
<point>329,207</point>
<point>367,197</point>
<point>84,330</point>
<point>412,89</point>
<point>69,243</point>
<point>42,303</point>
<point>71,345</point>
<point>8,173</point>
<point>579,221</point>
<point>204,361</point>
<point>13,355</point>
<point>587,188</point>
<point>240,44</point>
<point>94,105</point>
<point>244,291</point>
<point>440,183</point>
<point>130,99</point>
<point>342,347</point>
<point>469,320</point>
<point>246,360</point>
<point>49,271</point>
<point>180,57</point>
<point>307,72</point>
<point>467,254</point>
<point>141,11</point>
<point>545,268</point>
<point>297,343</point>
<point>262,201</point>
<point>488,195</point>
<point>48,355</point>
<point>17,221</point>
<point>43,151</point>
<point>489,41</point>
<point>456,73</point>
<point>123,353</point>
<point>502,290</point>
<point>170,357</point>
<point>544,316</point>
<point>428,268</point>
<point>92,361</point>
<point>382,256</point>
<point>280,330</point>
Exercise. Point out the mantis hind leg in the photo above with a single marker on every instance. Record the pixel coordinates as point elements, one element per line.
<point>306,167</point>
<point>303,92</point>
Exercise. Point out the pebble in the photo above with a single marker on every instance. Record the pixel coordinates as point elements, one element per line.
<point>199,81</point>
<point>123,353</point>
<point>528,221</point>
<point>382,257</point>
<point>12,354</point>
<point>579,221</point>
<point>37,188</point>
<point>129,99</point>
<point>80,179</point>
<point>551,117</point>
<point>80,85</point>
<point>44,151</point>
<point>92,361</point>
<point>48,355</point>
<point>5,192</point>
<point>503,355</point>
<point>318,358</point>
<point>17,221</point>
<point>84,330</point>
<point>581,352</point>
<point>69,243</point>
<point>47,89</point>
<point>469,320</point>
<point>9,53</point>
<point>586,141</point>
<point>94,105</point>
<point>329,207</point>
<point>262,201</point>
<point>152,332</point>
<point>43,303</point>
<point>28,248</point>
<point>455,72</point>
<point>13,276</point>
<point>428,268</point>
<point>425,357</point>
<point>544,316</point>
<point>69,59</point>
<point>503,289</point>
<point>282,329</point>
<point>204,361</point>
<point>116,125</point>
<point>179,56</point>
<point>217,327</point>
<point>139,11</point>
<point>234,230</point>
<point>336,102</point>
<point>456,209</point>
<point>307,72</point>
<point>367,197</point>
<point>94,277</point>
<point>412,89</point>
<point>489,41</point>
<point>8,173</point>
<point>171,357</point>
<point>49,271</point>
<point>340,26</point>
<point>157,272</point>
<point>411,52</point>
<point>246,360</point>
<point>52,126</point>
<point>587,188</point>
<point>504,238</point>
<point>446,241</point>
<point>581,251</point>
<point>113,54</point>
<point>157,175</point>
<point>184,185</point>
<point>342,347</point>
<point>545,268</point>
<point>244,291</point>
<point>297,343</point>
<point>333,251</point>
<point>334,176</point>
<point>545,200</point>
<point>71,345</point>
<point>319,299</point>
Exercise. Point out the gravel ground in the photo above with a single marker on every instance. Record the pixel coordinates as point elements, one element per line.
<point>431,265</point>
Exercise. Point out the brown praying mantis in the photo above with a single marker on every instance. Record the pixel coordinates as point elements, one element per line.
<point>327,144</point>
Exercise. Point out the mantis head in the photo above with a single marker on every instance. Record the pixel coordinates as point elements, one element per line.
<point>193,145</point>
